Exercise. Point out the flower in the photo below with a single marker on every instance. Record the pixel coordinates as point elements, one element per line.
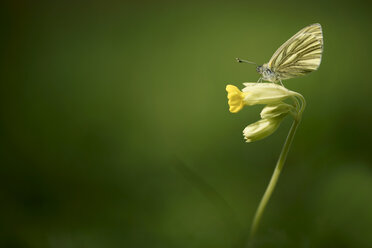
<point>255,93</point>
<point>261,129</point>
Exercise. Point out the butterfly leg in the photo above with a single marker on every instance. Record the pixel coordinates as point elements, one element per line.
<point>280,81</point>
<point>259,80</point>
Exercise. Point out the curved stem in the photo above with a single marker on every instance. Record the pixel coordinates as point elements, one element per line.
<point>303,105</point>
<point>296,103</point>
<point>274,178</point>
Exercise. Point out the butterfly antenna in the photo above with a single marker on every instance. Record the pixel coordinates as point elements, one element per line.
<point>245,61</point>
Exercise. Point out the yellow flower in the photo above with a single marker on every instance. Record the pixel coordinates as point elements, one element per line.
<point>255,93</point>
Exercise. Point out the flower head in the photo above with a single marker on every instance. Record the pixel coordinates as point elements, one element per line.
<point>271,94</point>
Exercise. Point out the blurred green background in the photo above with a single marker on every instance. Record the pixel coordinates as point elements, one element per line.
<point>115,130</point>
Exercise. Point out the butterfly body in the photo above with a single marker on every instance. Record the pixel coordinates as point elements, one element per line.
<point>298,56</point>
<point>267,73</point>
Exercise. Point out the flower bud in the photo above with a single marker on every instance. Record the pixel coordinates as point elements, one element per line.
<point>261,129</point>
<point>275,110</point>
<point>264,93</point>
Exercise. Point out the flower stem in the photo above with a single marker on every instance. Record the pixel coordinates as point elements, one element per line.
<point>274,178</point>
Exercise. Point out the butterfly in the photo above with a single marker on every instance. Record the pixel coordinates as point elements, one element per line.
<point>298,56</point>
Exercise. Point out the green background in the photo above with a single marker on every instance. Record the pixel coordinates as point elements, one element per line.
<point>115,130</point>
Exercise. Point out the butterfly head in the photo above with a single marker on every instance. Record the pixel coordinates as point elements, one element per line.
<point>259,69</point>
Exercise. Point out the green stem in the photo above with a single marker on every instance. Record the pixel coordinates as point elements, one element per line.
<point>274,178</point>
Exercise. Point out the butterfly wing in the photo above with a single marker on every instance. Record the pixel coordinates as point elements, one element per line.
<point>299,55</point>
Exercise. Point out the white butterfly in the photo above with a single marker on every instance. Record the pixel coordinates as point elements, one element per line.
<point>298,56</point>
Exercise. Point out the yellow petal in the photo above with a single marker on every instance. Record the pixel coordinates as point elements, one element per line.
<point>235,97</point>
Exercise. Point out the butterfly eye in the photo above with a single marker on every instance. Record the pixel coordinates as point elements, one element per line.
<point>259,69</point>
